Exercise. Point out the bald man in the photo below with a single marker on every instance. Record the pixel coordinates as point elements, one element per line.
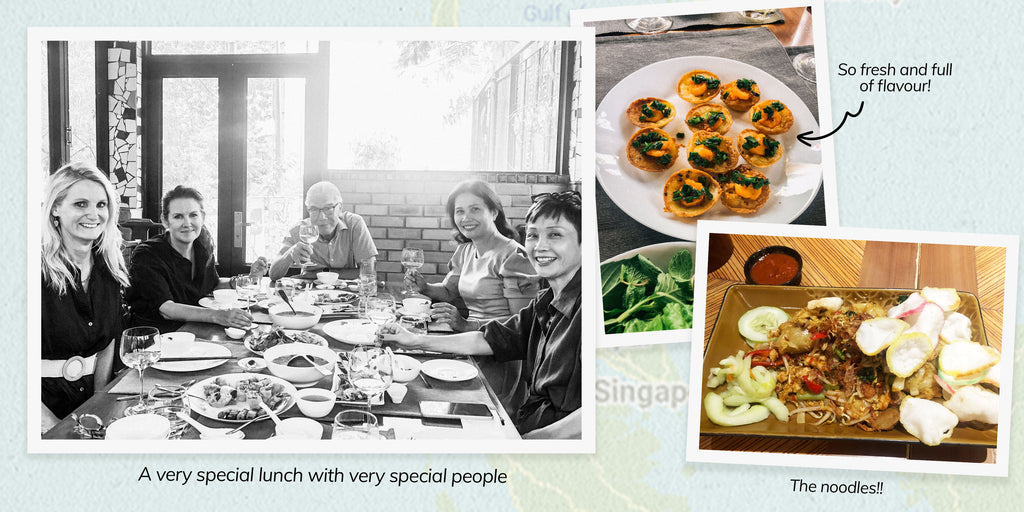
<point>344,238</point>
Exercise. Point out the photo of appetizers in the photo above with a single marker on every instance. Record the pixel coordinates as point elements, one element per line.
<point>634,165</point>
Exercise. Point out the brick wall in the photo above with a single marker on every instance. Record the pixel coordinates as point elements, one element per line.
<point>408,209</point>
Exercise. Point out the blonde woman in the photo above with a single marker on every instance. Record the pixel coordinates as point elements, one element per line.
<point>83,275</point>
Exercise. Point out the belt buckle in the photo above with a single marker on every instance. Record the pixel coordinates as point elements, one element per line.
<point>73,368</point>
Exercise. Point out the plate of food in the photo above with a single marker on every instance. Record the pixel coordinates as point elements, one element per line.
<point>890,365</point>
<point>332,301</point>
<point>260,339</point>
<point>354,332</point>
<point>638,300</point>
<point>718,159</point>
<point>236,397</point>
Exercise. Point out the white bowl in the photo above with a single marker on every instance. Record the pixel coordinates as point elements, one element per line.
<point>320,406</point>
<point>416,305</point>
<point>234,332</point>
<point>225,295</point>
<point>406,368</point>
<point>176,344</point>
<point>299,428</point>
<point>308,316</point>
<point>139,426</point>
<point>327,278</point>
<point>299,374</point>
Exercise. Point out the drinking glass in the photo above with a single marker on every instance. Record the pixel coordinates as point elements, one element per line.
<point>380,311</point>
<point>140,348</point>
<point>367,279</point>
<point>371,369</point>
<point>757,14</point>
<point>355,424</point>
<point>168,401</point>
<point>412,259</point>
<point>649,25</point>
<point>247,288</point>
<point>309,233</point>
<point>804,65</point>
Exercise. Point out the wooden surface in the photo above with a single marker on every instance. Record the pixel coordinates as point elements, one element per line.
<point>869,264</point>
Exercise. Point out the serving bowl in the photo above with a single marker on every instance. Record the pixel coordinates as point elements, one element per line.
<point>278,356</point>
<point>309,315</point>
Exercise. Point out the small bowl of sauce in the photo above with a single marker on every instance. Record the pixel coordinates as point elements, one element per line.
<point>774,265</point>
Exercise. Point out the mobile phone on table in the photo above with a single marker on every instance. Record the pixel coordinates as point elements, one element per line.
<point>436,409</point>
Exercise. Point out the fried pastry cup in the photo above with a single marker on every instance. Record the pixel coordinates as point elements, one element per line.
<point>745,199</point>
<point>774,122</point>
<point>698,91</point>
<point>739,98</point>
<point>760,155</point>
<point>651,162</point>
<point>635,113</point>
<point>721,125</point>
<point>696,150</point>
<point>692,179</point>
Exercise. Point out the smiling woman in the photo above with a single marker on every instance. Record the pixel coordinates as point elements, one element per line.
<point>172,271</point>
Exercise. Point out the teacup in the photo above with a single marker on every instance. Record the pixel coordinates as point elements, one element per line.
<point>225,295</point>
<point>328,278</point>
<point>416,306</point>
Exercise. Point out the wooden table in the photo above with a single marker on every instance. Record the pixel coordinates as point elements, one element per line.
<point>868,264</point>
<point>106,406</point>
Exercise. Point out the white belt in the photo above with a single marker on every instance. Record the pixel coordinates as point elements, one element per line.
<point>70,369</point>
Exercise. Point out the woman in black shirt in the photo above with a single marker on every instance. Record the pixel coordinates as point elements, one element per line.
<point>83,273</point>
<point>172,271</point>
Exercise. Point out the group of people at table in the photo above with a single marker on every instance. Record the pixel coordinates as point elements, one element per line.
<point>524,315</point>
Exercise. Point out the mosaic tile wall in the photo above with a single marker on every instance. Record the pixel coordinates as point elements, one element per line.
<point>123,135</point>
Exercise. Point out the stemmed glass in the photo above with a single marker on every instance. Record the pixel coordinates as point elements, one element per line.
<point>309,233</point>
<point>371,369</point>
<point>380,311</point>
<point>247,288</point>
<point>804,65</point>
<point>140,348</point>
<point>649,25</point>
<point>412,259</point>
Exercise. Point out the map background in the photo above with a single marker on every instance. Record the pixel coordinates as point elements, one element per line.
<point>915,162</point>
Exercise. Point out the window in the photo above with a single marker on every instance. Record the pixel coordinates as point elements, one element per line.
<point>491,105</point>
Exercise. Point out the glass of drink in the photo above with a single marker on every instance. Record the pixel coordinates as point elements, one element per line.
<point>140,348</point>
<point>308,233</point>
<point>168,401</point>
<point>412,259</point>
<point>247,288</point>
<point>650,25</point>
<point>355,424</point>
<point>371,369</point>
<point>367,279</point>
<point>380,311</point>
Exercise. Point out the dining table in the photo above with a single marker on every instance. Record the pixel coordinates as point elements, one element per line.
<point>402,420</point>
<point>840,263</point>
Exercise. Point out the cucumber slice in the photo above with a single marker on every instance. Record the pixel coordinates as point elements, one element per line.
<point>755,324</point>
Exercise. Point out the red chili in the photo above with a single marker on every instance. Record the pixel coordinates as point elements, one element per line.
<point>812,386</point>
<point>818,335</point>
<point>761,357</point>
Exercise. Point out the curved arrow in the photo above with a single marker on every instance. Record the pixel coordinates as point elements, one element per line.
<point>805,136</point>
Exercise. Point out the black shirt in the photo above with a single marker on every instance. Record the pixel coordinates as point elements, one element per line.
<point>159,274</point>
<point>78,323</point>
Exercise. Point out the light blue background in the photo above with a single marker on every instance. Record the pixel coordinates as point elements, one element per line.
<point>940,161</point>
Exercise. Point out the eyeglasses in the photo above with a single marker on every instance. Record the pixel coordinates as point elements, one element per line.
<point>323,211</point>
<point>569,196</point>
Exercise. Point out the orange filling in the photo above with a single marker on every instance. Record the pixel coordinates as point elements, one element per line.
<point>696,186</point>
<point>697,89</point>
<point>658,153</point>
<point>738,94</point>
<point>656,116</point>
<point>760,148</point>
<point>704,152</point>
<point>748,192</point>
<point>772,122</point>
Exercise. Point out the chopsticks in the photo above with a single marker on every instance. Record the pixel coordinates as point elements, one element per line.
<point>425,383</point>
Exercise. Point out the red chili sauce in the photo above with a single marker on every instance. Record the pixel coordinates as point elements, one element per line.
<point>774,268</point>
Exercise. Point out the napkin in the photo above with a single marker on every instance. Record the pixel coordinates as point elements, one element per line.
<point>691,22</point>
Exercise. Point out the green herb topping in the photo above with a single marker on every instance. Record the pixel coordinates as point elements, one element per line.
<point>713,83</point>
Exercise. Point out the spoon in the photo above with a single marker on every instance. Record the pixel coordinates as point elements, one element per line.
<point>324,371</point>
<point>288,301</point>
<point>243,425</point>
<point>273,415</point>
<point>210,432</point>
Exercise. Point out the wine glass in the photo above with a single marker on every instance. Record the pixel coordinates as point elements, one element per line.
<point>247,288</point>
<point>380,311</point>
<point>309,233</point>
<point>649,25</point>
<point>804,65</point>
<point>140,348</point>
<point>757,14</point>
<point>367,279</point>
<point>412,259</point>
<point>371,369</point>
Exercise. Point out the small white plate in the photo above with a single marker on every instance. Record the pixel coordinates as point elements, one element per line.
<point>269,301</point>
<point>139,427</point>
<point>198,349</point>
<point>353,332</point>
<point>209,303</point>
<point>449,370</point>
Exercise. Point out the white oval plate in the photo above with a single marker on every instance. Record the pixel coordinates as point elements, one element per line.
<point>200,406</point>
<point>353,332</point>
<point>449,370</point>
<point>794,179</point>
<point>209,303</point>
<point>198,349</point>
<point>139,426</point>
